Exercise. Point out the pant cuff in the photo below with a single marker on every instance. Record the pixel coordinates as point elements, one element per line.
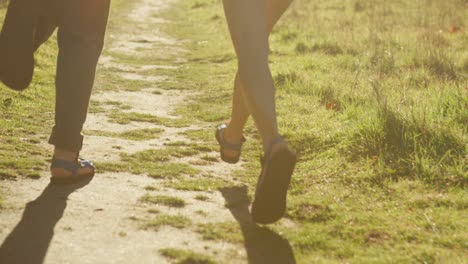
<point>66,142</point>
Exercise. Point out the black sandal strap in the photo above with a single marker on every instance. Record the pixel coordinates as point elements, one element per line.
<point>226,145</point>
<point>66,165</point>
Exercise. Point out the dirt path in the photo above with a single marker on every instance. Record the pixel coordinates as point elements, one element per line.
<point>96,223</point>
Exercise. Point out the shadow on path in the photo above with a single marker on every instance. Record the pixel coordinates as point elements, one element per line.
<point>262,244</point>
<point>30,239</point>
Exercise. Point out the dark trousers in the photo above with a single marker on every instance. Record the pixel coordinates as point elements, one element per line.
<point>81,31</point>
<point>81,28</point>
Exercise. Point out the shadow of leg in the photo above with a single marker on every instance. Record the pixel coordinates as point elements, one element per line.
<point>262,244</point>
<point>30,239</point>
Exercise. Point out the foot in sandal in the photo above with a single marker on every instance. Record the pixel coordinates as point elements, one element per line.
<point>67,168</point>
<point>230,152</point>
<point>270,197</point>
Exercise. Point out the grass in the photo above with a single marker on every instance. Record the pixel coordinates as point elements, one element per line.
<point>151,188</point>
<point>204,184</point>
<point>372,97</point>
<point>181,256</point>
<point>160,220</point>
<point>225,231</point>
<point>170,201</point>
<point>202,197</point>
<point>157,170</point>
<point>127,118</point>
<point>26,118</point>
<point>371,94</point>
<point>139,135</point>
<point>157,163</point>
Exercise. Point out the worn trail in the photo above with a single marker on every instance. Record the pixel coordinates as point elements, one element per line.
<point>98,222</point>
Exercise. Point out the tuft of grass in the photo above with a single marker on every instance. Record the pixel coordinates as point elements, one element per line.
<point>225,231</point>
<point>118,82</point>
<point>434,56</point>
<point>119,105</point>
<point>197,135</point>
<point>170,201</point>
<point>140,134</point>
<point>160,220</point>
<point>95,107</point>
<point>408,147</point>
<point>177,144</point>
<point>202,197</point>
<point>202,213</point>
<point>128,117</point>
<point>151,188</point>
<point>325,47</point>
<point>311,212</point>
<point>34,175</point>
<point>375,108</point>
<point>154,211</point>
<point>206,184</point>
<point>157,170</point>
<point>156,163</point>
<point>181,256</point>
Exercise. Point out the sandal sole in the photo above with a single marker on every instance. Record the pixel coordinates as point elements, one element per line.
<point>270,198</point>
<point>71,179</point>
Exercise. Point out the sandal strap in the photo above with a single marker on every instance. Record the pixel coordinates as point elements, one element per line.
<point>226,145</point>
<point>66,165</point>
<point>83,163</point>
<point>86,164</point>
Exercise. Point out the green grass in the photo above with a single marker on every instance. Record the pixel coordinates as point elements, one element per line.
<point>181,256</point>
<point>151,188</point>
<point>202,197</point>
<point>372,96</point>
<point>140,134</point>
<point>203,184</point>
<point>26,118</point>
<point>127,118</point>
<point>157,163</point>
<point>157,170</point>
<point>160,220</point>
<point>225,231</point>
<point>98,107</point>
<point>170,201</point>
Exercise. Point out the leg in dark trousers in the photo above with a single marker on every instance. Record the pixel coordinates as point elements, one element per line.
<point>80,38</point>
<point>16,44</point>
<point>82,25</point>
<point>81,33</point>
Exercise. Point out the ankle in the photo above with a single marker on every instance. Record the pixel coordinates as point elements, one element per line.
<point>232,135</point>
<point>274,144</point>
<point>65,154</point>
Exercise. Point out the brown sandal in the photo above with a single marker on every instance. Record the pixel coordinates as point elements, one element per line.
<point>224,145</point>
<point>73,168</point>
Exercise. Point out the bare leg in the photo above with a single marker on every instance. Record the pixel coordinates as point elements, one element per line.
<point>240,111</point>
